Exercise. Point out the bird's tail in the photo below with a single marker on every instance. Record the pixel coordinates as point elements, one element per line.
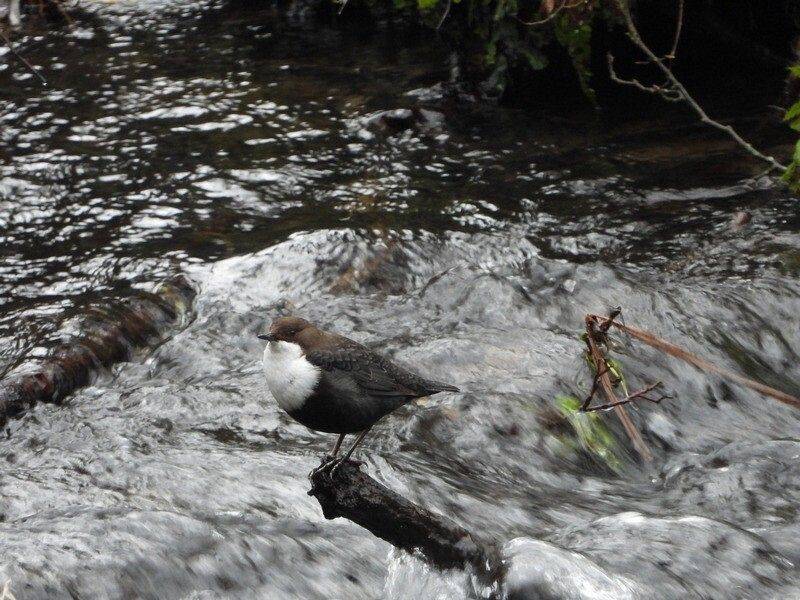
<point>434,387</point>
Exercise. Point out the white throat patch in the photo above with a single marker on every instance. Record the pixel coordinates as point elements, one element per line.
<point>290,377</point>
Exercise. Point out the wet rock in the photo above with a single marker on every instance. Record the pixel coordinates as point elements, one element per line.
<point>383,271</point>
<point>434,93</point>
<point>630,555</point>
<point>539,570</point>
<point>740,219</point>
<point>682,557</point>
<point>390,122</point>
<point>753,483</point>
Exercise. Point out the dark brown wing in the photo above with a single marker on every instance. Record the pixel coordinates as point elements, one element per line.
<point>374,374</point>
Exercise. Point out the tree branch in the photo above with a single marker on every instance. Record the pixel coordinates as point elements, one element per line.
<point>601,367</point>
<point>562,7</point>
<point>678,29</point>
<point>667,94</point>
<point>677,86</point>
<point>22,59</point>
<point>107,336</point>
<point>701,363</point>
<point>357,497</point>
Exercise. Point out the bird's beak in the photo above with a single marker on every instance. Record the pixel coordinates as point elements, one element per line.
<point>267,336</point>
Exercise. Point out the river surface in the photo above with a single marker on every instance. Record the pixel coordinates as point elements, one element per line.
<point>235,145</point>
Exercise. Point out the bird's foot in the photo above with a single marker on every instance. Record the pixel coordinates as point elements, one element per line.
<point>332,464</point>
<point>327,462</point>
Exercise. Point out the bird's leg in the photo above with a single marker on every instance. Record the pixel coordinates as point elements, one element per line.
<point>338,445</point>
<point>349,453</point>
<point>359,439</point>
<point>330,458</point>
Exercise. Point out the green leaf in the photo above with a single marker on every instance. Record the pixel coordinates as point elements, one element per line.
<point>535,59</point>
<point>591,432</point>
<point>792,174</point>
<point>577,40</point>
<point>793,112</point>
<point>793,116</point>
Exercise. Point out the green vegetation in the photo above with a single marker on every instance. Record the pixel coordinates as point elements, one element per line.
<point>591,434</point>
<point>508,35</point>
<point>792,174</point>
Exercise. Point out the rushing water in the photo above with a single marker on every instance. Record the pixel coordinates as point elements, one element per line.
<point>235,145</point>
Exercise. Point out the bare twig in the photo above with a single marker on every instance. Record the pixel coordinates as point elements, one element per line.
<point>595,383</point>
<point>444,16</point>
<point>678,87</point>
<point>701,363</point>
<point>605,381</point>
<point>599,336</point>
<point>669,94</point>
<point>612,314</point>
<point>562,7</point>
<point>22,59</point>
<point>640,395</point>
<point>678,28</point>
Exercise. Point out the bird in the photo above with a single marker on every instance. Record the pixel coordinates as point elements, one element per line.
<point>332,384</point>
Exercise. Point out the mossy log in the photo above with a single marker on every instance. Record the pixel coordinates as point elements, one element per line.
<point>105,336</point>
<point>356,496</point>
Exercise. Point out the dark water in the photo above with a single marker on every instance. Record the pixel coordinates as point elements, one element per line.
<point>233,145</point>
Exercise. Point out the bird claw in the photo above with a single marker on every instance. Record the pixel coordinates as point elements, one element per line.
<point>335,469</point>
<point>340,461</point>
<point>327,462</point>
<point>333,464</point>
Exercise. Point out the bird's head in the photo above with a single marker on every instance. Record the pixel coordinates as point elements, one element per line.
<point>287,329</point>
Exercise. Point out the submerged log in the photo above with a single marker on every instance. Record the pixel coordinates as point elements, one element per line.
<point>105,336</point>
<point>356,496</point>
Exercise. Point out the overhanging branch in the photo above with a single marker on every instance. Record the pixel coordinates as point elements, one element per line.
<point>676,87</point>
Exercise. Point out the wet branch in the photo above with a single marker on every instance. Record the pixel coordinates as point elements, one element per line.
<point>21,58</point>
<point>106,336</point>
<point>357,497</point>
<point>700,363</point>
<point>595,335</point>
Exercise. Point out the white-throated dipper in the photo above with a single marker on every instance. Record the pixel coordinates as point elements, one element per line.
<point>330,383</point>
